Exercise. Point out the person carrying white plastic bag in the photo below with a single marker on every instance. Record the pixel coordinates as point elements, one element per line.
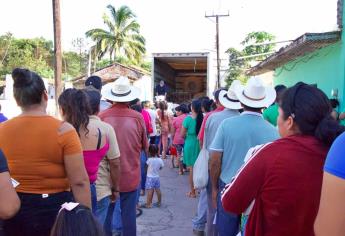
<point>200,173</point>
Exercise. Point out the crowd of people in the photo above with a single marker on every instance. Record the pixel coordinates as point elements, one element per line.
<point>275,161</point>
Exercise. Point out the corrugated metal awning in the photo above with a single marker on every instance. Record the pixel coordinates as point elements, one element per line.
<point>301,46</point>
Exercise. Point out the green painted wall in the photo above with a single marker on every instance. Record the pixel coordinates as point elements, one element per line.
<point>342,72</point>
<point>323,67</point>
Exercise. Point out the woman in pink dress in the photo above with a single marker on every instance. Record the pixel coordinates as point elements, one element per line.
<point>178,140</point>
<point>165,123</point>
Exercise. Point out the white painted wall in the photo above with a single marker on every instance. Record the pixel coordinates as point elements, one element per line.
<point>145,86</point>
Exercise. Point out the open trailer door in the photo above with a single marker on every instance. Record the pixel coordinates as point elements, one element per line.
<point>185,74</point>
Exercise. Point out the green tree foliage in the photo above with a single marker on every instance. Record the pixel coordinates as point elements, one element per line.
<point>144,65</point>
<point>122,37</point>
<point>238,67</point>
<point>34,54</point>
<point>257,38</point>
<point>74,64</point>
<point>37,54</point>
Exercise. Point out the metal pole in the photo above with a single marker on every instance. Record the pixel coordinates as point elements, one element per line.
<point>57,51</point>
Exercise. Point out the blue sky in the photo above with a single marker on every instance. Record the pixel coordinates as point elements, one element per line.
<point>174,25</point>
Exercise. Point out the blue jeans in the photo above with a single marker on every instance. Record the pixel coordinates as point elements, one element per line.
<point>103,207</point>
<point>143,159</point>
<point>113,222</point>
<point>129,213</point>
<point>199,221</point>
<point>227,224</point>
<point>211,212</point>
<point>93,198</point>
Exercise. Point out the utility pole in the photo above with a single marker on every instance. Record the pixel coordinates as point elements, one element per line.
<point>57,51</point>
<point>217,43</point>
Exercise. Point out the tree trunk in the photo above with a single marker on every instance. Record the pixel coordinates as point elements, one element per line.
<point>57,52</point>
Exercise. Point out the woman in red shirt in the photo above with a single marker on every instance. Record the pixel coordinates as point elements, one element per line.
<point>283,179</point>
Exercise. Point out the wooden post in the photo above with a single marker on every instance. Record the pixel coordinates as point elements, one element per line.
<point>217,45</point>
<point>57,52</point>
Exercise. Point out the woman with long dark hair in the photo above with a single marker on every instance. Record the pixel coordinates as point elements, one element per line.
<point>97,138</point>
<point>178,141</point>
<point>284,178</point>
<point>44,156</point>
<point>206,105</point>
<point>165,124</point>
<point>190,130</point>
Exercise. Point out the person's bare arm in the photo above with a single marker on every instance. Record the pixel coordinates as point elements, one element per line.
<point>78,178</point>
<point>342,116</point>
<point>115,174</point>
<point>215,169</point>
<point>331,218</point>
<point>183,132</point>
<point>173,130</point>
<point>75,168</point>
<point>10,203</point>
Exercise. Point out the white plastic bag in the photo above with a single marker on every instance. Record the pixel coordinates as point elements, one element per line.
<point>200,170</point>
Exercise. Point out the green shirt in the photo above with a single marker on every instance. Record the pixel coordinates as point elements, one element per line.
<point>271,114</point>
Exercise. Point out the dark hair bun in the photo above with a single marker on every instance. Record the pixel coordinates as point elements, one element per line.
<point>21,77</point>
<point>328,130</point>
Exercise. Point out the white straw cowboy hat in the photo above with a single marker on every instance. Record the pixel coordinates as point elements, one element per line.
<point>120,91</point>
<point>228,98</point>
<point>254,94</point>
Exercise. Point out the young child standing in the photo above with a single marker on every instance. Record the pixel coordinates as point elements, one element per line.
<point>155,164</point>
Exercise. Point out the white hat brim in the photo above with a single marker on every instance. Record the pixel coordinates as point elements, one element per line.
<point>227,103</point>
<point>107,94</point>
<point>266,102</point>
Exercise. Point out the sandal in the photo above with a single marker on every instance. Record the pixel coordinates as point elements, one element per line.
<point>191,195</point>
<point>145,206</point>
<point>180,173</point>
<point>157,204</point>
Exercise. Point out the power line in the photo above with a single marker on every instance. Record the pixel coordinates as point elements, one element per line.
<point>217,42</point>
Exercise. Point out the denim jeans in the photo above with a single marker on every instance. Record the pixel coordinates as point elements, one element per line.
<point>199,221</point>
<point>211,212</point>
<point>113,221</point>
<point>227,224</point>
<point>93,198</point>
<point>143,159</point>
<point>37,214</point>
<point>129,213</point>
<point>103,207</point>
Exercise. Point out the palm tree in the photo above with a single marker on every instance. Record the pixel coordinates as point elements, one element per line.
<point>122,37</point>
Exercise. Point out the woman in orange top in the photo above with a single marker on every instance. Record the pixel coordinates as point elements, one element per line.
<point>44,155</point>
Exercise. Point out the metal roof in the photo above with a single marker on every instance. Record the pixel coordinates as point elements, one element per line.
<point>301,46</point>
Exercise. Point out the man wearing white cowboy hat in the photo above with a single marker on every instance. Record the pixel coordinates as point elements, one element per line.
<point>130,125</point>
<point>235,136</point>
<point>231,105</point>
<point>200,219</point>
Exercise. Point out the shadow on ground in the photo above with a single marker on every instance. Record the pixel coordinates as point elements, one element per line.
<point>175,215</point>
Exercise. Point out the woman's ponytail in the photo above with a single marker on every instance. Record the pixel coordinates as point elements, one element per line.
<point>311,111</point>
<point>328,130</point>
